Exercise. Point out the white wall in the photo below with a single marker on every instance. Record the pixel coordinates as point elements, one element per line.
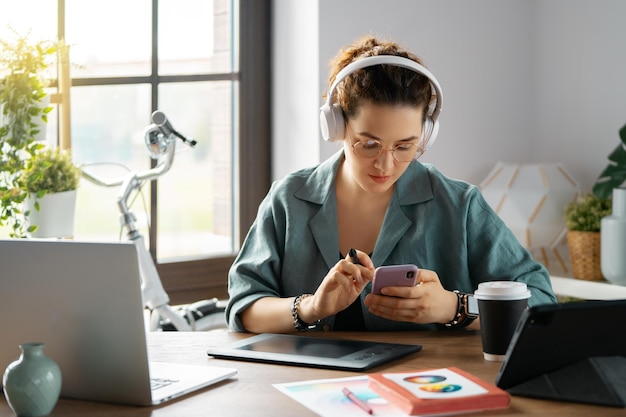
<point>295,124</point>
<point>523,81</point>
<point>580,83</point>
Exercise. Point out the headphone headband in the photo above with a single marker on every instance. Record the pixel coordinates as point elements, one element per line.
<point>331,115</point>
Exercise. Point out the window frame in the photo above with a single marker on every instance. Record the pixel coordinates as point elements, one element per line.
<point>187,281</point>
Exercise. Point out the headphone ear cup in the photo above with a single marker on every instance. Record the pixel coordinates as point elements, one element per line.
<point>331,122</point>
<point>429,132</point>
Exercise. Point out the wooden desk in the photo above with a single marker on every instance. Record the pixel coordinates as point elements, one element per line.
<point>250,393</point>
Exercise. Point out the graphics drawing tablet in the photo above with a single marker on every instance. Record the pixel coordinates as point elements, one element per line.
<point>310,351</point>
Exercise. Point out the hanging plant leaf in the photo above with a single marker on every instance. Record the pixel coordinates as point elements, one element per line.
<point>23,65</point>
<point>614,175</point>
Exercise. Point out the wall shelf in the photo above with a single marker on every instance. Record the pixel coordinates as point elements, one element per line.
<point>587,290</point>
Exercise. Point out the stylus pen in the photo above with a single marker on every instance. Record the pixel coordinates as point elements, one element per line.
<point>355,259</point>
<point>357,401</point>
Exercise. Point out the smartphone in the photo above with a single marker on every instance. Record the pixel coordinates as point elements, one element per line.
<point>394,276</point>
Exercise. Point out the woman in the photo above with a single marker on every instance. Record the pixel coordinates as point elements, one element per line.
<point>294,271</point>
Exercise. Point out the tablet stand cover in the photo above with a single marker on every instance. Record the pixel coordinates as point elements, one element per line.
<point>598,380</point>
<point>572,351</point>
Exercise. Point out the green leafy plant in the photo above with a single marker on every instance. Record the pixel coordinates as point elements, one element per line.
<point>22,65</point>
<point>50,171</point>
<point>614,175</point>
<point>586,212</point>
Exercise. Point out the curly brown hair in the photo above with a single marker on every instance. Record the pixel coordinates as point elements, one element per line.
<point>379,84</point>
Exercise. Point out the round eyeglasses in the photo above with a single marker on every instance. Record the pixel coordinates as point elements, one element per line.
<point>372,148</point>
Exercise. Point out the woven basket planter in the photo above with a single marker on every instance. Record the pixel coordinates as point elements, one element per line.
<point>584,253</point>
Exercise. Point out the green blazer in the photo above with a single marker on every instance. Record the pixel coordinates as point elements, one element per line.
<point>432,221</point>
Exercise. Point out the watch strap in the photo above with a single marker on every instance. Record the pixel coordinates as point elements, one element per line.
<point>462,318</point>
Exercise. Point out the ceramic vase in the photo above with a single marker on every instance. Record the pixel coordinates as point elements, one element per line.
<point>32,384</point>
<point>613,246</point>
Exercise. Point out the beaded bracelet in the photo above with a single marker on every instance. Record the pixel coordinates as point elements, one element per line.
<point>298,324</point>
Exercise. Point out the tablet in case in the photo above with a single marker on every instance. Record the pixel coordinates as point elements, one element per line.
<point>571,352</point>
<point>311,351</point>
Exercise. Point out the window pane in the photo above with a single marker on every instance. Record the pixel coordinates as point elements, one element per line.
<point>109,38</point>
<point>195,37</point>
<point>19,15</point>
<point>195,198</point>
<point>107,136</point>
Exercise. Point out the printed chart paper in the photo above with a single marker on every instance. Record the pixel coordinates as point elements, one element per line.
<point>325,397</point>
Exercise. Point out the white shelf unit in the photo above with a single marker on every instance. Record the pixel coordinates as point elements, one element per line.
<point>587,290</point>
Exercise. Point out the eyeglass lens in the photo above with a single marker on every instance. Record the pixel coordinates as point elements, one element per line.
<point>404,152</point>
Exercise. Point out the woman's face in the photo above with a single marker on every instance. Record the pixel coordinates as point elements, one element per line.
<point>395,127</point>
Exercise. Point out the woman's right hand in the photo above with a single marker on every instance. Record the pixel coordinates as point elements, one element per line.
<point>341,286</point>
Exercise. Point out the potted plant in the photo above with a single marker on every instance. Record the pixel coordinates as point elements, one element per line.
<point>612,182</point>
<point>614,175</point>
<point>22,65</point>
<point>50,180</point>
<point>582,219</point>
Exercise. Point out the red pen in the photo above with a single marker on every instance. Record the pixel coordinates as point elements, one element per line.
<point>357,401</point>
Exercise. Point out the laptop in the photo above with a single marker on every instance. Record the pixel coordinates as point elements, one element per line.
<point>572,351</point>
<point>83,301</point>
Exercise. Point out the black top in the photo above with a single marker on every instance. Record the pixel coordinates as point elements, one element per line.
<point>351,318</point>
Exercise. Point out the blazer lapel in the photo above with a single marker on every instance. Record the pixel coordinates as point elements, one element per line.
<point>320,189</point>
<point>394,226</point>
<point>324,228</point>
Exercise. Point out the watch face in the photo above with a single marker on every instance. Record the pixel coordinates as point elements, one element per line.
<point>472,305</point>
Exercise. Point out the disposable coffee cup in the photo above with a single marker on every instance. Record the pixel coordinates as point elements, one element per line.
<point>500,306</point>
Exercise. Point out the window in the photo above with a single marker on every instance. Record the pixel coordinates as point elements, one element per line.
<point>205,64</point>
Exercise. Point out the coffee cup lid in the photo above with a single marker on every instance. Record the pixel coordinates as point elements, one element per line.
<point>502,290</point>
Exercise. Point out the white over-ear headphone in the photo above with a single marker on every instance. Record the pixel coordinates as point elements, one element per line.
<point>331,116</point>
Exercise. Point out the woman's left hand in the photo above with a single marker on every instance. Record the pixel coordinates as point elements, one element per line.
<point>427,302</point>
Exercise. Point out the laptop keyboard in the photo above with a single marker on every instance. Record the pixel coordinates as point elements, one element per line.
<point>156,383</point>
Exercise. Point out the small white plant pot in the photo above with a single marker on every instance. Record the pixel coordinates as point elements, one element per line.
<point>55,217</point>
